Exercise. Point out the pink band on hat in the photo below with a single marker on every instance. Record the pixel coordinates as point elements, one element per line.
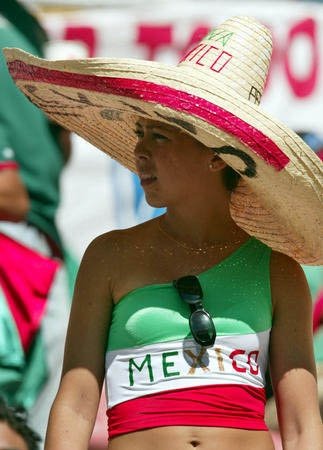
<point>164,95</point>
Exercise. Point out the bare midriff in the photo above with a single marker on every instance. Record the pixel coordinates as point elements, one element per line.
<point>189,438</point>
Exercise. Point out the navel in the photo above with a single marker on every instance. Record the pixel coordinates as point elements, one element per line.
<point>195,443</point>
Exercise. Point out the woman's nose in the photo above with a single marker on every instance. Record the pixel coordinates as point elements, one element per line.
<point>141,151</point>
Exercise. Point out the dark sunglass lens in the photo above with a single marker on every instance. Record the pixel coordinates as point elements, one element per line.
<point>202,328</point>
<point>189,288</point>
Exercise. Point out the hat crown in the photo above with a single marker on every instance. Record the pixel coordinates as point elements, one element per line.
<point>237,53</point>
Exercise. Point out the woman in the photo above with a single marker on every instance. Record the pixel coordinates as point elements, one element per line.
<point>187,309</point>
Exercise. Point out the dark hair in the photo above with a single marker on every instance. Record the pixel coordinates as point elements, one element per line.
<point>16,419</point>
<point>230,178</point>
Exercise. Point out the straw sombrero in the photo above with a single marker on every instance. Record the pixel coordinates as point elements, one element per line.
<point>213,94</point>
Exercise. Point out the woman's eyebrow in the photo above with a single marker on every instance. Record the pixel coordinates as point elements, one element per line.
<point>155,125</point>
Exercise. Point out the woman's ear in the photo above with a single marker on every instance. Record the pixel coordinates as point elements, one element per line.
<point>216,163</point>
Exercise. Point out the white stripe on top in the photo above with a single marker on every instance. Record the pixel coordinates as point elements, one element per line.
<point>139,371</point>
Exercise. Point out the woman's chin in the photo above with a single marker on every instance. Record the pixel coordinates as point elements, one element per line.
<point>155,203</point>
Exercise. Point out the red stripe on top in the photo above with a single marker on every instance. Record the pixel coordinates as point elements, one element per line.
<point>228,406</point>
<point>178,100</point>
<point>8,165</point>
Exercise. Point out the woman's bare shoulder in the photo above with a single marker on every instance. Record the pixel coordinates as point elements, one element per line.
<point>283,263</point>
<point>111,239</point>
<point>110,248</point>
<point>288,280</point>
<point>284,268</point>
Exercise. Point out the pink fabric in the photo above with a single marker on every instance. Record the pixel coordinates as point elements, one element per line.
<point>26,278</point>
<point>230,406</point>
<point>261,144</point>
<point>318,312</point>
<point>277,440</point>
<point>99,438</point>
<point>8,165</point>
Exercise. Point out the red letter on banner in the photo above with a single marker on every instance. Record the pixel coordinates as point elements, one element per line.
<point>234,363</point>
<point>154,36</point>
<point>254,369</point>
<point>84,34</point>
<point>303,87</point>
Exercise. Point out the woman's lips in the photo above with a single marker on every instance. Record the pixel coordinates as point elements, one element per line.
<point>146,180</point>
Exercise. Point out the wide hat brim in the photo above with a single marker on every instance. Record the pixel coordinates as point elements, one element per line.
<point>279,197</point>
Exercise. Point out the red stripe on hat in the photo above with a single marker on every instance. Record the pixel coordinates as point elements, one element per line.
<point>175,99</point>
<point>230,406</point>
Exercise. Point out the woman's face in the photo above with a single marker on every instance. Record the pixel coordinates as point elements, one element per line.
<point>170,163</point>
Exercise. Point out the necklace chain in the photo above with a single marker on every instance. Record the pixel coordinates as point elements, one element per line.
<point>200,250</point>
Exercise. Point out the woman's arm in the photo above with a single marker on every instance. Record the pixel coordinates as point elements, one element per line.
<point>74,410</point>
<point>291,357</point>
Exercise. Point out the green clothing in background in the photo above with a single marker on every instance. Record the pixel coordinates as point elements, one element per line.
<point>314,275</point>
<point>28,142</point>
<point>39,158</point>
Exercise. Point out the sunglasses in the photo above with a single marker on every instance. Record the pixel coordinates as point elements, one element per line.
<point>201,323</point>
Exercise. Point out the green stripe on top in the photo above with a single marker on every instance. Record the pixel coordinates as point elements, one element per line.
<point>236,293</point>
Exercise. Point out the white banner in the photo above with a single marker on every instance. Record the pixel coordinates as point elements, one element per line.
<point>163,31</point>
<point>295,87</point>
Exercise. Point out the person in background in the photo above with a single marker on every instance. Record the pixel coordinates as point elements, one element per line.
<point>182,314</point>
<point>36,272</point>
<point>15,433</point>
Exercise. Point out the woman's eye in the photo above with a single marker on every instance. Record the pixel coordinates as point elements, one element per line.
<point>139,133</point>
<point>159,137</point>
<point>151,135</point>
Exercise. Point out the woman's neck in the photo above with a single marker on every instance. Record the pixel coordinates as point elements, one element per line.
<point>201,227</point>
